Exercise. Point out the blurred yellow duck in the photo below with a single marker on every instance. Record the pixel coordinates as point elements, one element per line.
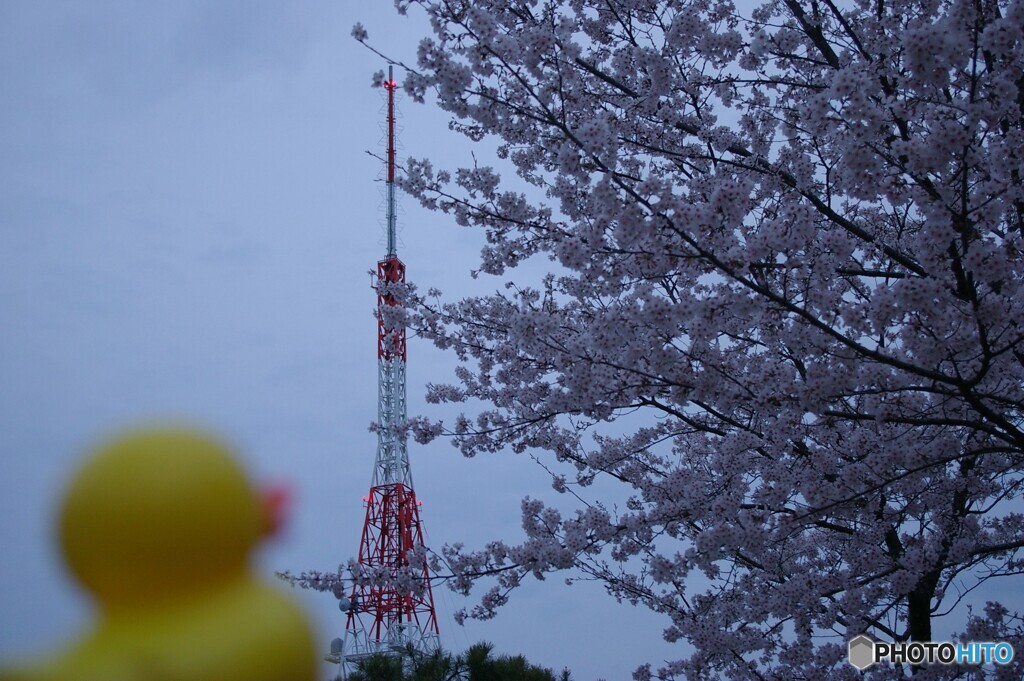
<point>159,525</point>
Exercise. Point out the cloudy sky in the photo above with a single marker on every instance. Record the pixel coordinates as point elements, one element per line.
<point>187,218</point>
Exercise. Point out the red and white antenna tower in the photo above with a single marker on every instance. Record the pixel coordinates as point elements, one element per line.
<point>383,618</point>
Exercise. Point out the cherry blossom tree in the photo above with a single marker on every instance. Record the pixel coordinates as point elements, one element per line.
<point>784,310</point>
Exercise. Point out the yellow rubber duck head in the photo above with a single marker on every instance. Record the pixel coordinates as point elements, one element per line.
<point>158,514</point>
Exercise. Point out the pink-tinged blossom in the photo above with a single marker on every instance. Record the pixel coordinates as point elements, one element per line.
<point>785,315</point>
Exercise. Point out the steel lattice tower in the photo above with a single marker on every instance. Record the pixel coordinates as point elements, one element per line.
<point>383,619</point>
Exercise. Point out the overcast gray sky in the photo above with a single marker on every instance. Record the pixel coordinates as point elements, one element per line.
<point>187,219</point>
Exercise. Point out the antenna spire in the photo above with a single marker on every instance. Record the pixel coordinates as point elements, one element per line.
<point>390,85</point>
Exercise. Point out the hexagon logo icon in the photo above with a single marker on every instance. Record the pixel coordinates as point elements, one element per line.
<point>862,652</point>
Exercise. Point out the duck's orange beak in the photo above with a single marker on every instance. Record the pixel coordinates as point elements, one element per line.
<point>275,500</point>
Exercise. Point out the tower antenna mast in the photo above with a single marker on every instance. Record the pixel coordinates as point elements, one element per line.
<point>390,181</point>
<point>382,618</point>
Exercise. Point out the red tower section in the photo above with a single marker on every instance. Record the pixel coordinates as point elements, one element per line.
<point>390,342</point>
<point>395,619</point>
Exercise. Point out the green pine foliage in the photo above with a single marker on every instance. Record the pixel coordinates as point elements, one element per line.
<point>477,664</point>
